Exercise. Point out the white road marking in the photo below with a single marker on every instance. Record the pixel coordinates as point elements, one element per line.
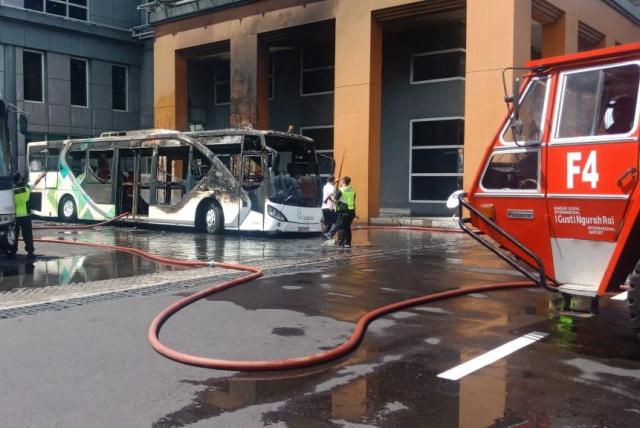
<point>341,295</point>
<point>621,296</point>
<point>492,356</point>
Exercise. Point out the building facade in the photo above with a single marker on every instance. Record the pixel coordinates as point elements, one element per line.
<point>404,94</point>
<point>75,68</point>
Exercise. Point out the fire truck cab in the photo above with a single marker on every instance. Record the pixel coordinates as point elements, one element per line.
<point>558,186</point>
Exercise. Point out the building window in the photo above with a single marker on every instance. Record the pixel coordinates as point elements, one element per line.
<point>436,158</point>
<point>317,66</point>
<point>323,138</point>
<point>436,66</point>
<point>33,68</point>
<point>223,82</point>
<point>79,82</point>
<point>119,87</point>
<point>75,9</point>
<point>34,5</point>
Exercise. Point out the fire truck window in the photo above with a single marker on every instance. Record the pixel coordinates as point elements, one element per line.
<point>512,171</point>
<point>531,108</point>
<point>599,102</point>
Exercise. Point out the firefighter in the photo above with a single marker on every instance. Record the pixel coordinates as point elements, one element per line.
<point>22,194</point>
<point>346,209</point>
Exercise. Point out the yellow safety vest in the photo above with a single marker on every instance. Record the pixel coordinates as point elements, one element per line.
<point>22,195</point>
<point>348,197</point>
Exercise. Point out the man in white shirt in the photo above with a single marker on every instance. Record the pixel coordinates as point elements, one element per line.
<point>328,204</point>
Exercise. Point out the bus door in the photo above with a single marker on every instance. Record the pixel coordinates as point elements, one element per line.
<point>127,165</point>
<point>593,169</point>
<point>170,169</point>
<point>51,164</point>
<point>98,182</point>
<point>512,186</point>
<point>253,181</point>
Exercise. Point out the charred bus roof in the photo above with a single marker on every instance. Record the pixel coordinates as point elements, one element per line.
<point>242,131</point>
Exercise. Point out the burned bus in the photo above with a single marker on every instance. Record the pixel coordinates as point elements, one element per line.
<point>234,179</point>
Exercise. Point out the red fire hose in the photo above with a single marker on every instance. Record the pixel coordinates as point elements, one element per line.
<point>254,273</point>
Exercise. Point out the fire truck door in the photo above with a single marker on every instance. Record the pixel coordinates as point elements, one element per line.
<point>512,184</point>
<point>592,170</point>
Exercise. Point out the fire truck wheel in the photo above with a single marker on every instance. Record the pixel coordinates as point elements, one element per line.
<point>634,298</point>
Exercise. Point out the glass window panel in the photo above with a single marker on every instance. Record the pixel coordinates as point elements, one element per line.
<point>434,188</point>
<point>78,82</point>
<point>441,37</point>
<point>531,108</point>
<point>271,71</point>
<point>436,161</point>
<point>599,102</point>
<point>318,56</point>
<point>34,4</point>
<point>438,133</point>
<point>223,71</point>
<point>52,159</point>
<point>317,81</point>
<point>119,87</point>
<point>438,66</point>
<point>32,67</point>
<point>100,165</point>
<point>76,159</point>
<point>323,137</point>
<point>56,8</point>
<point>78,13</point>
<point>37,158</point>
<point>512,171</point>
<point>325,163</point>
<point>79,2</point>
<point>223,93</point>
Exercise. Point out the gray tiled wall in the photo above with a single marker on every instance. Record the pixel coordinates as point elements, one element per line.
<point>59,40</point>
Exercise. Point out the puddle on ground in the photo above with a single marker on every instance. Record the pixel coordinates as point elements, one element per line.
<point>49,271</point>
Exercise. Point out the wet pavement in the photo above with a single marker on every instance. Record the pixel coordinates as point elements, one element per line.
<point>89,364</point>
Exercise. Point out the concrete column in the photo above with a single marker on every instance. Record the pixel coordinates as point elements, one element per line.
<point>358,75</point>
<point>244,81</point>
<point>498,36</point>
<point>170,79</point>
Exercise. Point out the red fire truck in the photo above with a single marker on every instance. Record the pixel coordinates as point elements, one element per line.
<point>558,186</point>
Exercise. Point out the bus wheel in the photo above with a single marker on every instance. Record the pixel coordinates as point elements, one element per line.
<point>67,210</point>
<point>633,298</point>
<point>210,219</point>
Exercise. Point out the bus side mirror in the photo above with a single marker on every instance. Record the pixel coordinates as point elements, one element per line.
<point>23,123</point>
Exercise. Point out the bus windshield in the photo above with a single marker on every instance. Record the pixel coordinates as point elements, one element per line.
<point>4,146</point>
<point>294,178</point>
